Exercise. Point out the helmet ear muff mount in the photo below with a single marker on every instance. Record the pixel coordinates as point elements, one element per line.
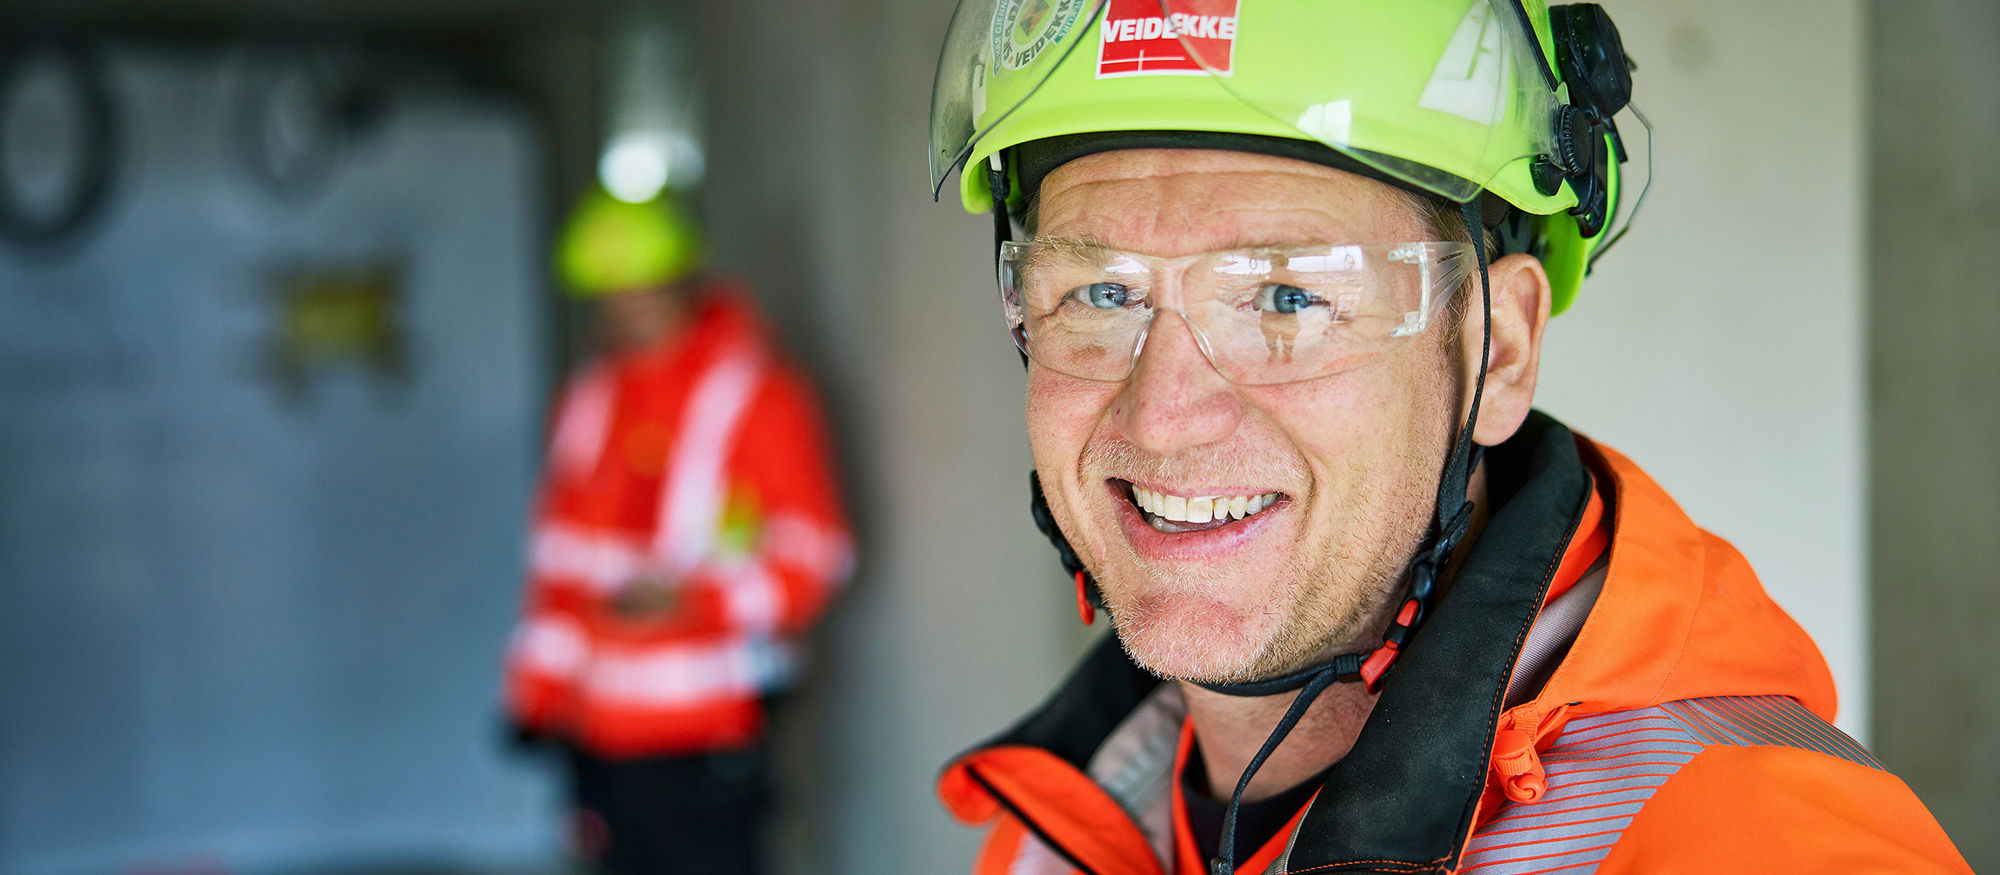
<point>1591,58</point>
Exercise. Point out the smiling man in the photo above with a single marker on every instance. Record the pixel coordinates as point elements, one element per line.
<point>1279,275</point>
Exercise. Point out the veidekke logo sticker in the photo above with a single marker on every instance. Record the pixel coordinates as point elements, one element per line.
<point>1166,38</point>
<point>1023,29</point>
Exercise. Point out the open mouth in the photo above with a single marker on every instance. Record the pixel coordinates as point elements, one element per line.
<point>1177,514</point>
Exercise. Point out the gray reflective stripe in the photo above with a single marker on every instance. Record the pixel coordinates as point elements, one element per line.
<point>1135,766</point>
<point>1767,720</point>
<point>1284,861</point>
<point>1604,768</point>
<point>1035,858</point>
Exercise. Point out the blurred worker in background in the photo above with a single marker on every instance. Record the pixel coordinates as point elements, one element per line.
<point>1281,304</point>
<point>686,535</point>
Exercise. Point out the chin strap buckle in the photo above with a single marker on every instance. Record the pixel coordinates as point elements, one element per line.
<point>1084,608</point>
<point>1088,599</point>
<point>1377,664</point>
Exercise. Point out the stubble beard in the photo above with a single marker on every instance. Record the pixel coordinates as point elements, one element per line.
<point>1336,598</point>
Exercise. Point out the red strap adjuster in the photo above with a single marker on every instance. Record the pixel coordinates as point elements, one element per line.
<point>1377,664</point>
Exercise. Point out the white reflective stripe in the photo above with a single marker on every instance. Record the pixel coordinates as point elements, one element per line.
<point>691,500</point>
<point>687,674</point>
<point>550,645</point>
<point>823,552</point>
<point>583,422</point>
<point>752,594</point>
<point>603,561</point>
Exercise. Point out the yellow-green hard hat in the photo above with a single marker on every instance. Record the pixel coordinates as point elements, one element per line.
<point>1454,98</point>
<point>610,246</point>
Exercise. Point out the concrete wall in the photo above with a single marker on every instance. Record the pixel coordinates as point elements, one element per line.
<point>1720,345</point>
<point>959,620</point>
<point>1934,381</point>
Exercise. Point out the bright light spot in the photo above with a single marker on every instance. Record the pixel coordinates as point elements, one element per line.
<point>634,168</point>
<point>637,165</point>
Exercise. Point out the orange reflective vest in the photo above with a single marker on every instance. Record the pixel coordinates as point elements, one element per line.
<point>1650,711</point>
<point>701,462</point>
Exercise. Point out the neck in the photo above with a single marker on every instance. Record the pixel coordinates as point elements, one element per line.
<point>1231,729</point>
<point>639,321</point>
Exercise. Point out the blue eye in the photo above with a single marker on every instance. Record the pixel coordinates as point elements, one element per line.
<point>1283,299</point>
<point>1104,296</point>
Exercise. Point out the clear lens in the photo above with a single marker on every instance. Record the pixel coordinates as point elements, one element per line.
<point>1261,316</point>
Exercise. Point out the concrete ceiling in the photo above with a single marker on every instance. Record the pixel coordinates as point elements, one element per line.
<point>378,15</point>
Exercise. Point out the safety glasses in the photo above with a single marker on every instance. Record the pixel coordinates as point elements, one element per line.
<point>1261,316</point>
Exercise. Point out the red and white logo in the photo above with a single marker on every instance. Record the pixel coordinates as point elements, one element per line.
<point>1166,38</point>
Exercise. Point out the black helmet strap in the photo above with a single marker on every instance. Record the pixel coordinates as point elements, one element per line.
<point>1450,519</point>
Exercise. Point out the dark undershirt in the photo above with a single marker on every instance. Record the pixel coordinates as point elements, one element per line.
<point>1256,822</point>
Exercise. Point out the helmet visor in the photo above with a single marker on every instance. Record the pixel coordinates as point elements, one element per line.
<point>1008,46</point>
<point>1444,95</point>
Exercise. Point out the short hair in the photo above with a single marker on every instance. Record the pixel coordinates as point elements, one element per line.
<point>1445,222</point>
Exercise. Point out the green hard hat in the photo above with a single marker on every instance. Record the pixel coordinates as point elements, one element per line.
<point>610,246</point>
<point>1458,99</point>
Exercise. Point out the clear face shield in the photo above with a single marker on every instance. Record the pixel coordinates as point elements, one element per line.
<point>1261,316</point>
<point>1021,40</point>
<point>1446,95</point>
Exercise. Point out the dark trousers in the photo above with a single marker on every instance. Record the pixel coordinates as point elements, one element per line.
<point>666,815</point>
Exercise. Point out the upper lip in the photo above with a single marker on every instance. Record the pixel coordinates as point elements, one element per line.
<point>1196,491</point>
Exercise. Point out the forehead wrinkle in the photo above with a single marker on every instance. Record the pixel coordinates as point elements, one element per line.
<point>1169,210</point>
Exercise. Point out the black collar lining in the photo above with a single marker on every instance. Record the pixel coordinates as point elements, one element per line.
<point>1393,813</point>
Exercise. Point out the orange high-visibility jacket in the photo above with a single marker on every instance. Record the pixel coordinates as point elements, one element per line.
<point>702,462</point>
<point>1603,688</point>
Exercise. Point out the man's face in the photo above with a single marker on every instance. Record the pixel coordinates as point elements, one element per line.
<point>635,320</point>
<point>1353,458</point>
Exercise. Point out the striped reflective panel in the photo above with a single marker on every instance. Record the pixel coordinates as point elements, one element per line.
<point>1603,769</point>
<point>1766,720</point>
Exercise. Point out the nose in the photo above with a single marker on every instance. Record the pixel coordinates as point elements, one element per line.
<point>1175,400</point>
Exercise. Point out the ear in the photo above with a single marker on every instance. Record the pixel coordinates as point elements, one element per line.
<point>1520,312</point>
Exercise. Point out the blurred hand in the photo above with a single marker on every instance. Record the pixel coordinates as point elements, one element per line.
<point>524,739</point>
<point>648,597</point>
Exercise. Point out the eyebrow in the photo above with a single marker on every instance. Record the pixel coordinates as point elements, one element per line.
<point>1070,245</point>
<point>1045,248</point>
<point>1088,246</point>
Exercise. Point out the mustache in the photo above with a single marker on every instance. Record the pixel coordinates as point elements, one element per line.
<point>1118,457</point>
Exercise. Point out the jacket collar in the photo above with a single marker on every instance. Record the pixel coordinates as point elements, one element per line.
<point>1408,790</point>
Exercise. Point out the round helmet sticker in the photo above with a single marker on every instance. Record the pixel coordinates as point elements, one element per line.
<point>1022,29</point>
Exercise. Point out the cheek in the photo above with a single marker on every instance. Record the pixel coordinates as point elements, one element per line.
<point>1350,425</point>
<point>1063,413</point>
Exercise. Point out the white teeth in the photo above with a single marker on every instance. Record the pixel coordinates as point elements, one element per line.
<point>1200,509</point>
